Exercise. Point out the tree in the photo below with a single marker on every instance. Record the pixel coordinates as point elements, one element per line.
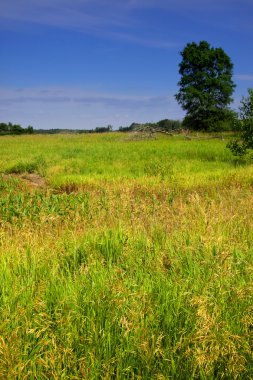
<point>169,125</point>
<point>206,86</point>
<point>103,129</point>
<point>16,129</point>
<point>3,128</point>
<point>29,130</point>
<point>240,146</point>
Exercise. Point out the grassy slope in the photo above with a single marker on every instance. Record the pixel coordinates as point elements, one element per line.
<point>135,263</point>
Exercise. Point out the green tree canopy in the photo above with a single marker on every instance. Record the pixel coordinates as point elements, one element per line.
<point>14,129</point>
<point>240,146</point>
<point>206,86</point>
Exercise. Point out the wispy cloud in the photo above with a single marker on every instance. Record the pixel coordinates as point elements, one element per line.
<point>77,95</point>
<point>103,18</point>
<point>110,18</point>
<point>244,77</point>
<point>76,13</point>
<point>62,107</point>
<point>171,4</point>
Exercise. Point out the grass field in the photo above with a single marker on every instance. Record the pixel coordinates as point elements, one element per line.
<point>125,259</point>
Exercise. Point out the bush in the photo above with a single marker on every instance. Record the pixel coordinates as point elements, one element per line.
<point>169,125</point>
<point>240,147</point>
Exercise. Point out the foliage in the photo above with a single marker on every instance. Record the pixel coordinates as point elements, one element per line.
<point>14,129</point>
<point>127,129</point>
<point>162,125</point>
<point>206,86</point>
<point>169,125</point>
<point>240,146</point>
<point>103,129</point>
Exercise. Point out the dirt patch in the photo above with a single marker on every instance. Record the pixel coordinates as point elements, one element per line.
<point>33,180</point>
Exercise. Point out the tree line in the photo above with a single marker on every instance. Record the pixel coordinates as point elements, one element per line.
<point>165,125</point>
<point>15,129</point>
<point>205,93</point>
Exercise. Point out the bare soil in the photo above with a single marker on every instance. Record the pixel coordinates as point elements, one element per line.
<point>33,180</point>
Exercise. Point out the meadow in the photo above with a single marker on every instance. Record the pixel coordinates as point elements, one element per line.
<point>125,259</point>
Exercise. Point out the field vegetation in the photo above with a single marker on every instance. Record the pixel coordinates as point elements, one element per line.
<point>125,259</point>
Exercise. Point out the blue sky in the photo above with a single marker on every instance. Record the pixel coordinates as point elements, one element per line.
<point>89,63</point>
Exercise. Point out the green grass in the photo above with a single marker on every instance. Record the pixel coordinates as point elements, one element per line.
<point>81,159</point>
<point>135,262</point>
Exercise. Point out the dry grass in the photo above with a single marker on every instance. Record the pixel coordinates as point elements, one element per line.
<point>139,278</point>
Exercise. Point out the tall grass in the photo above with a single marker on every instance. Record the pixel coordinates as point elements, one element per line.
<point>141,271</point>
<point>79,159</point>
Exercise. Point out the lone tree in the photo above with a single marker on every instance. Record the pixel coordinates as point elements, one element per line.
<point>206,86</point>
<point>240,146</point>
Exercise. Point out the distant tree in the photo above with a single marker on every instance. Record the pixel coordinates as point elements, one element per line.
<point>103,129</point>
<point>16,129</point>
<point>169,125</point>
<point>4,128</point>
<point>134,125</point>
<point>125,129</point>
<point>206,86</point>
<point>29,130</point>
<point>240,146</point>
